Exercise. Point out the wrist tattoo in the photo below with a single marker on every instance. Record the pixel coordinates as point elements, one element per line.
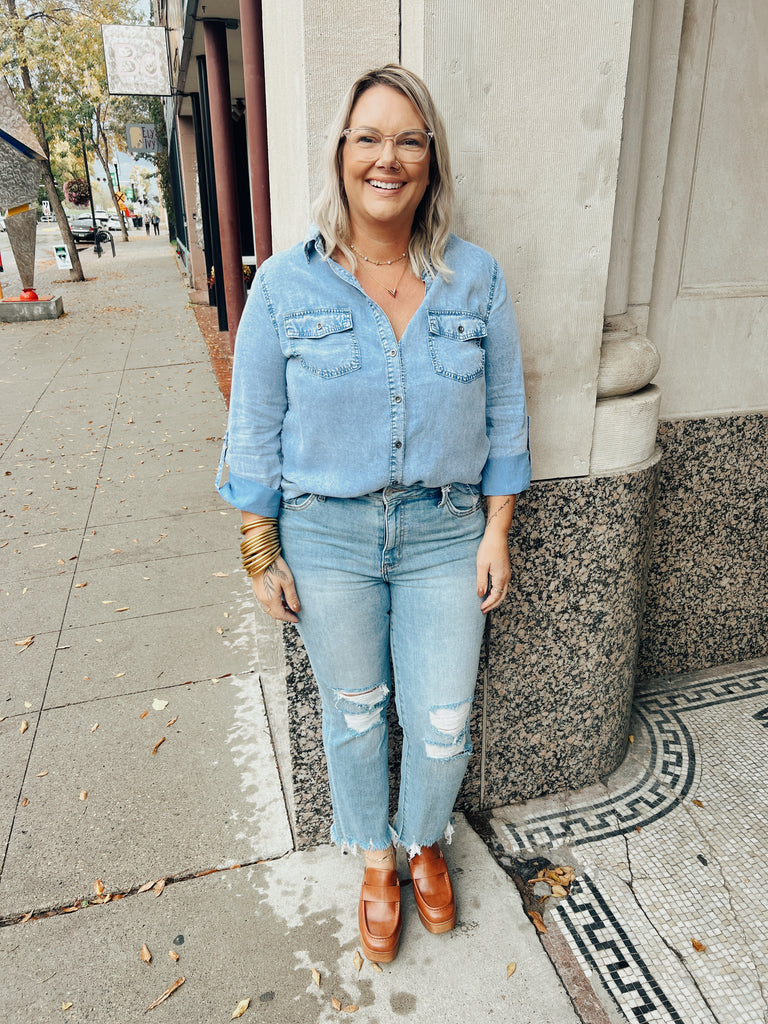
<point>499,509</point>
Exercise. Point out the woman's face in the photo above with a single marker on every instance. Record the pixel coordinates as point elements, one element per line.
<point>381,191</point>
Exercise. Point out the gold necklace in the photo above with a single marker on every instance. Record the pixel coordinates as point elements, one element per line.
<point>392,291</point>
<point>377,263</point>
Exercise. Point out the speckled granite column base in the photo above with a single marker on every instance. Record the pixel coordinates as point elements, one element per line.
<point>707,601</point>
<point>555,685</point>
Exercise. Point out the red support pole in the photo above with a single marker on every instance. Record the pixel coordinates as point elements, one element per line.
<point>220,101</point>
<point>252,36</point>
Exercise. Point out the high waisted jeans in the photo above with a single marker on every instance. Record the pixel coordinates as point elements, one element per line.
<point>390,574</point>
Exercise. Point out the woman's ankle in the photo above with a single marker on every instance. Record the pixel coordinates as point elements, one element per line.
<point>381,858</point>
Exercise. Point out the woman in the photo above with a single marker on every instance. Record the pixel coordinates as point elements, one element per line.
<point>377,384</point>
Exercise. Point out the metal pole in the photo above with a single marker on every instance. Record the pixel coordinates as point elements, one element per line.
<point>256,125</point>
<point>97,246</point>
<point>117,178</point>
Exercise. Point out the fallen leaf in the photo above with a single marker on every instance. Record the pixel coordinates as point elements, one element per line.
<point>158,887</point>
<point>41,775</point>
<point>24,726</point>
<point>631,738</point>
<point>67,1006</point>
<point>167,994</point>
<point>358,961</point>
<point>83,794</point>
<point>173,955</point>
<point>221,575</point>
<point>147,886</point>
<point>27,705</point>
<point>145,955</point>
<point>25,802</point>
<point>173,721</point>
<point>159,705</point>
<point>143,714</point>
<point>94,727</point>
<point>125,609</point>
<point>240,1009</point>
<point>377,967</point>
<point>158,744</point>
<point>350,1009</point>
<point>511,968</point>
<point>698,946</point>
<point>98,887</point>
<point>79,586</point>
<point>638,829</point>
<point>335,1003</point>
<point>220,630</point>
<point>698,803</point>
<point>24,643</point>
<point>535,916</point>
<point>316,976</point>
<point>27,917</point>
<point>119,675</point>
<point>559,890</point>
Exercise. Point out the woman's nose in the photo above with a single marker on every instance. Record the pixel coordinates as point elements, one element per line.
<point>388,153</point>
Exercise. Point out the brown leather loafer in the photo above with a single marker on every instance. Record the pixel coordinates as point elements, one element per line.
<point>379,914</point>
<point>432,890</point>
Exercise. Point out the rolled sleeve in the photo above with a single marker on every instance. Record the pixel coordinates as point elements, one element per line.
<point>252,446</point>
<point>508,467</point>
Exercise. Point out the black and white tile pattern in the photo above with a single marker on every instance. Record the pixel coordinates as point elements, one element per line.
<point>670,849</point>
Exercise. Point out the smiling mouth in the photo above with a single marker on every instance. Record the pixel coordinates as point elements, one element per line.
<point>386,186</point>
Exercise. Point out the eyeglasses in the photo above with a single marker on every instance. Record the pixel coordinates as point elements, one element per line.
<point>409,146</point>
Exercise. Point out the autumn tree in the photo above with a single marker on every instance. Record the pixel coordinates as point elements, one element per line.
<point>51,55</point>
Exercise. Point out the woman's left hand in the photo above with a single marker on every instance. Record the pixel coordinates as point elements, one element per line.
<point>493,569</point>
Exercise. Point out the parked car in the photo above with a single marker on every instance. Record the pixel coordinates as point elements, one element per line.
<point>113,223</point>
<point>82,225</point>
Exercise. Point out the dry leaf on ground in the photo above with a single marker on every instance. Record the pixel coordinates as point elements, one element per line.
<point>240,1009</point>
<point>173,955</point>
<point>24,726</point>
<point>94,727</point>
<point>41,775</point>
<point>316,976</point>
<point>535,916</point>
<point>147,886</point>
<point>159,705</point>
<point>83,794</point>
<point>24,643</point>
<point>698,946</point>
<point>350,1009</point>
<point>143,714</point>
<point>158,887</point>
<point>335,1003</point>
<point>25,802</point>
<point>511,968</point>
<point>158,745</point>
<point>173,721</point>
<point>358,960</point>
<point>377,967</point>
<point>67,1006</point>
<point>145,955</point>
<point>168,992</point>
<point>98,887</point>
<point>698,803</point>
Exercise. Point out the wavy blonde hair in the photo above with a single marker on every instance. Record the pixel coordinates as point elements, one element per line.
<point>431,222</point>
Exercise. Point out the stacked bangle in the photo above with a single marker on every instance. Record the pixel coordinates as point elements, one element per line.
<point>259,551</point>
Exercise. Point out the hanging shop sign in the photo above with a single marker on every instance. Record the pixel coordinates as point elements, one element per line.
<point>142,138</point>
<point>136,57</point>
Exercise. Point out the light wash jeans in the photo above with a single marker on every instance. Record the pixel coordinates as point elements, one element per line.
<point>390,574</point>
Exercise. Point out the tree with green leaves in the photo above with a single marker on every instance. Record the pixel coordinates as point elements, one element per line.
<point>52,57</point>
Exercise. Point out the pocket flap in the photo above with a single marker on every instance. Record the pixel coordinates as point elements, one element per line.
<point>317,323</point>
<point>460,326</point>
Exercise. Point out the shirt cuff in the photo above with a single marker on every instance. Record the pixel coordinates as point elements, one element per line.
<point>507,474</point>
<point>250,496</point>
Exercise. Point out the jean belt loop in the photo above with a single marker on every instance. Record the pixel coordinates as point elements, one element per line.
<point>445,491</point>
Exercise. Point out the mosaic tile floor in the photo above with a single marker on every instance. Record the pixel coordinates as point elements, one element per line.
<point>667,921</point>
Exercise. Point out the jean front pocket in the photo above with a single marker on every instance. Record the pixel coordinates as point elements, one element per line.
<point>323,341</point>
<point>462,500</point>
<point>297,504</point>
<point>456,344</point>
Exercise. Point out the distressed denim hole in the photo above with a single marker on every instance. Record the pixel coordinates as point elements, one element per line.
<point>451,724</point>
<point>363,709</point>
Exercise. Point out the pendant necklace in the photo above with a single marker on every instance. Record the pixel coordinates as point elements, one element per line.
<point>383,263</point>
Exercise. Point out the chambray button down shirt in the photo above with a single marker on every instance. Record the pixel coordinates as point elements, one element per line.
<point>326,401</point>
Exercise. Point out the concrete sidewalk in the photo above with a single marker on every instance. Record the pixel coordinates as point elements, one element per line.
<point>134,743</point>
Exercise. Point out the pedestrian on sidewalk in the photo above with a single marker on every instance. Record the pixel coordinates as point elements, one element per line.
<point>377,392</point>
<point>156,223</point>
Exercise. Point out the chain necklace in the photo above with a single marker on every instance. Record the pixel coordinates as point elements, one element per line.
<point>378,263</point>
<point>392,291</point>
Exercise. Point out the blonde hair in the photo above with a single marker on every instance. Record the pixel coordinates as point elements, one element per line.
<point>431,222</point>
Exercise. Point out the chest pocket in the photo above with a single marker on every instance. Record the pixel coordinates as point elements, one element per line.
<point>456,344</point>
<point>323,341</point>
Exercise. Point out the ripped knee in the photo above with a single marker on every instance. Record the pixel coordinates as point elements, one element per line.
<point>449,736</point>
<point>363,709</point>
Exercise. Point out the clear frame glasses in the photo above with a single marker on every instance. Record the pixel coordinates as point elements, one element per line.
<point>410,145</point>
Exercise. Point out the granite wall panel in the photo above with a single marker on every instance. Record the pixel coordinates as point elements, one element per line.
<point>707,600</point>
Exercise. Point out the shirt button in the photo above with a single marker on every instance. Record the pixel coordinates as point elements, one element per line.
<point>398,398</point>
<point>320,327</point>
<point>461,328</point>
<point>393,352</point>
<point>398,444</point>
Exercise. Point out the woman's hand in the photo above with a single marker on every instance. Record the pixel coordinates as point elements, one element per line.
<point>493,568</point>
<point>276,592</point>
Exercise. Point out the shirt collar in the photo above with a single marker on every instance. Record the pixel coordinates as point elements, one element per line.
<point>313,242</point>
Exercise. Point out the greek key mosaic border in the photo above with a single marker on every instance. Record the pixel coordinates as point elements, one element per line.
<point>666,778</point>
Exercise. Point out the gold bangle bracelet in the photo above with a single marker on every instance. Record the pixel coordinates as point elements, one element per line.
<point>257,522</point>
<point>255,544</point>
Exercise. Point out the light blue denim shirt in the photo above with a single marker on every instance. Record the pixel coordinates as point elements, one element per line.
<point>324,400</point>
